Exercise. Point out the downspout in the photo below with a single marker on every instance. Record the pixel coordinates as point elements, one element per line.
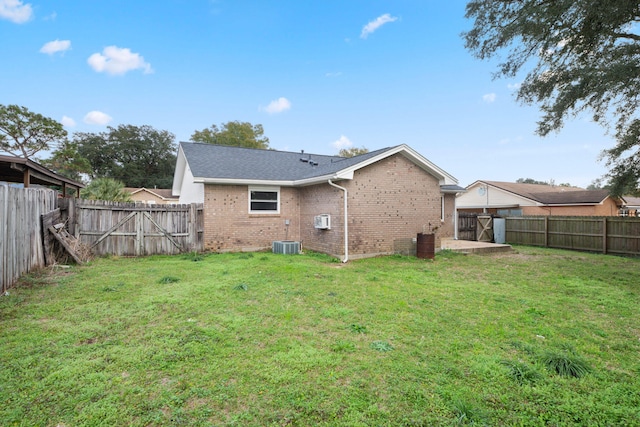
<point>455,216</point>
<point>346,222</point>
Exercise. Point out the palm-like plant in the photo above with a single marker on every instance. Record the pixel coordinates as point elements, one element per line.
<point>105,189</point>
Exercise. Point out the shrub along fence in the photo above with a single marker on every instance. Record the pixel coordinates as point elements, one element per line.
<point>608,235</point>
<point>21,247</point>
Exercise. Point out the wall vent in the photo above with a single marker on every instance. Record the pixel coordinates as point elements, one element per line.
<point>322,222</point>
<point>285,247</point>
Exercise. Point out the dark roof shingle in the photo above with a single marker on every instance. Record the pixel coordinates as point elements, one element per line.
<point>224,162</point>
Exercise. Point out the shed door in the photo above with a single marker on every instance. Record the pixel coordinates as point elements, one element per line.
<point>485,228</point>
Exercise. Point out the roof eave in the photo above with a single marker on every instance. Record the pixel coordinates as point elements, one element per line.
<point>282,183</point>
<point>232,181</point>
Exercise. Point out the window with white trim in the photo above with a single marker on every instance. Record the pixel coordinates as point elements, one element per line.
<point>442,208</point>
<point>264,200</point>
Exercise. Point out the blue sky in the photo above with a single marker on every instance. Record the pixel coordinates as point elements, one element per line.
<point>318,75</point>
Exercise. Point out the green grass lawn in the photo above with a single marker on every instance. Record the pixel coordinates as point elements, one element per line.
<point>534,338</point>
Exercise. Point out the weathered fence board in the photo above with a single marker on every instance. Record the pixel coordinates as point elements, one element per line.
<point>128,229</point>
<point>467,226</point>
<point>614,235</point>
<point>21,247</point>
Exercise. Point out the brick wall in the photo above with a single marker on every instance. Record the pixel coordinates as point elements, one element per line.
<point>392,199</point>
<point>448,225</point>
<point>390,202</point>
<point>230,227</point>
<point>322,199</point>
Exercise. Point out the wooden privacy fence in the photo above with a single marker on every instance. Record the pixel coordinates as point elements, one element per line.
<point>609,235</point>
<point>128,229</point>
<point>21,231</point>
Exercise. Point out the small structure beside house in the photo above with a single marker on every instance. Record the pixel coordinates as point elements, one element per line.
<point>630,206</point>
<point>509,199</point>
<point>162,196</point>
<point>29,173</point>
<point>372,204</point>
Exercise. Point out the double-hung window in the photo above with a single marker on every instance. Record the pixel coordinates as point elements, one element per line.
<point>264,200</point>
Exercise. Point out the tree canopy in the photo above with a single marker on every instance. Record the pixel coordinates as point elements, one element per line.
<point>23,133</point>
<point>235,134</point>
<point>138,156</point>
<point>578,56</point>
<point>352,152</point>
<point>66,161</point>
<point>551,182</point>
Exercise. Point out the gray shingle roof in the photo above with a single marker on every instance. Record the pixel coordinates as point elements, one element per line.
<point>224,162</point>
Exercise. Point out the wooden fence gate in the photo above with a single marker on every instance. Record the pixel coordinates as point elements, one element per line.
<point>128,229</point>
<point>485,228</point>
<point>467,223</point>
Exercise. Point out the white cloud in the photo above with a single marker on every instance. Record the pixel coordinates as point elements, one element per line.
<point>55,46</point>
<point>15,11</point>
<point>278,106</point>
<point>117,61</point>
<point>68,122</point>
<point>489,98</point>
<point>375,24</point>
<point>514,86</point>
<point>336,74</point>
<point>343,142</point>
<point>97,118</point>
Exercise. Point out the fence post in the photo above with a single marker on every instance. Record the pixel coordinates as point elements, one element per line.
<point>193,227</point>
<point>604,235</point>
<point>546,231</point>
<point>139,218</point>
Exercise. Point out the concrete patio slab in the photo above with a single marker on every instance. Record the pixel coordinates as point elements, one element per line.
<point>468,246</point>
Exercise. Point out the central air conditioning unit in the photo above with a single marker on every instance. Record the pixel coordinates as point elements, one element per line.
<point>286,247</point>
<point>322,222</point>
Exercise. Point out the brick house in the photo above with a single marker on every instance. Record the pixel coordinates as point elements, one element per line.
<point>372,204</point>
<point>509,198</point>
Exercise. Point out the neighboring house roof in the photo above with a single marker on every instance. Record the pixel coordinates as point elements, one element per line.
<point>548,195</point>
<point>161,193</point>
<point>631,202</point>
<point>19,169</point>
<point>572,197</point>
<point>218,164</point>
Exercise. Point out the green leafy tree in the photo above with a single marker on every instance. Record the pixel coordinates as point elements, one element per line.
<point>352,152</point>
<point>23,133</point>
<point>530,181</point>
<point>578,56</point>
<point>105,189</point>
<point>235,134</point>
<point>551,182</point>
<point>139,156</point>
<point>67,161</point>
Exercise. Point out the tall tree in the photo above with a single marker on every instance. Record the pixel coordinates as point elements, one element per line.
<point>578,56</point>
<point>23,133</point>
<point>139,156</point>
<point>67,161</point>
<point>235,134</point>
